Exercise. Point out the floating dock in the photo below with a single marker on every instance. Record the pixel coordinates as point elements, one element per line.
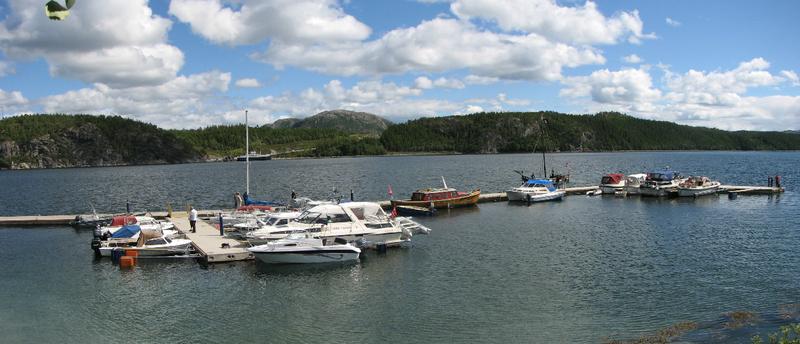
<point>214,247</point>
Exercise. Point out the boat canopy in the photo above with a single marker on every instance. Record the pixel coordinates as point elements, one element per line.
<point>662,175</point>
<point>126,232</point>
<point>250,201</point>
<point>612,178</point>
<point>363,210</point>
<point>122,220</point>
<point>544,182</point>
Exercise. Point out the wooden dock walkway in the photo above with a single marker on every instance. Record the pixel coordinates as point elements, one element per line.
<point>207,241</point>
<point>44,220</point>
<point>759,190</point>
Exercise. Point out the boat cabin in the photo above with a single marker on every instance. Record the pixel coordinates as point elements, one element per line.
<point>612,179</point>
<point>435,194</point>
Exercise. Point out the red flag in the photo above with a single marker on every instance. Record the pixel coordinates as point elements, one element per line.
<point>394,212</point>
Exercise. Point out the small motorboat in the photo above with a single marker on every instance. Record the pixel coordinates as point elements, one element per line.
<point>612,183</point>
<point>535,190</point>
<point>151,243</point>
<point>304,249</point>
<point>698,186</point>
<point>661,184</point>
<point>275,227</point>
<point>440,198</point>
<point>633,182</point>
<point>411,210</point>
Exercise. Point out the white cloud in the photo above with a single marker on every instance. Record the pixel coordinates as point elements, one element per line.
<point>719,88</point>
<point>11,102</point>
<point>673,22</point>
<point>578,25</point>
<point>791,76</point>
<point>630,87</point>
<point>184,102</point>
<point>442,82</point>
<point>115,42</point>
<point>435,46</point>
<point>633,59</point>
<point>480,80</point>
<point>248,83</point>
<point>254,21</point>
<point>385,99</point>
<point>714,99</point>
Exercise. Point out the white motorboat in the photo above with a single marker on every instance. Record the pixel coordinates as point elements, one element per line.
<point>305,249</point>
<point>633,182</point>
<point>144,222</point>
<point>535,190</point>
<point>275,227</point>
<point>364,222</point>
<point>660,183</point>
<point>151,243</point>
<point>698,186</point>
<point>612,182</point>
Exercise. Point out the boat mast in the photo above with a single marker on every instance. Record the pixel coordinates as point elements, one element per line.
<point>247,152</point>
<point>541,135</point>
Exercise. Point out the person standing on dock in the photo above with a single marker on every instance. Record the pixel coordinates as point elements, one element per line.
<point>238,200</point>
<point>193,220</point>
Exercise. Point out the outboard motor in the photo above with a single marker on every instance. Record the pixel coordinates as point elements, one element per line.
<point>97,240</point>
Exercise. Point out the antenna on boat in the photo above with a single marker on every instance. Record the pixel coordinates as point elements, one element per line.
<point>444,182</point>
<point>247,152</point>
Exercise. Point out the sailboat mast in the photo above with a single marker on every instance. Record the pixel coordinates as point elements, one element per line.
<point>544,149</point>
<point>247,152</point>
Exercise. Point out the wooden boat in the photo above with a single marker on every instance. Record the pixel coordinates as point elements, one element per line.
<point>441,198</point>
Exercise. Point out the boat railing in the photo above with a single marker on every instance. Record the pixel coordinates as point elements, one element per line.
<point>412,226</point>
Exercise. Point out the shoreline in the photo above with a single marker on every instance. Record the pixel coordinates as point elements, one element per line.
<point>401,154</point>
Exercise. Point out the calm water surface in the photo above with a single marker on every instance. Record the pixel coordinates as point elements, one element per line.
<point>582,270</point>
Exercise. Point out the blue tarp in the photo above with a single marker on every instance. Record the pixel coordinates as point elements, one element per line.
<point>126,231</point>
<point>662,175</point>
<point>249,201</point>
<point>545,182</point>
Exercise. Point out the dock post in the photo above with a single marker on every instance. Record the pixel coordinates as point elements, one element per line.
<point>351,196</point>
<point>128,206</point>
<point>221,225</point>
<point>778,182</point>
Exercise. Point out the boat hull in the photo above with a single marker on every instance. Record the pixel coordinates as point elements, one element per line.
<point>462,201</point>
<point>520,196</point>
<point>144,251</point>
<point>656,192</point>
<point>611,188</point>
<point>695,192</point>
<point>310,257</point>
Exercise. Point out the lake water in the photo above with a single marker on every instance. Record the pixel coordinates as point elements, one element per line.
<point>583,270</point>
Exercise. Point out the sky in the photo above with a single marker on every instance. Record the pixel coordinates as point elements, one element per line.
<point>727,64</point>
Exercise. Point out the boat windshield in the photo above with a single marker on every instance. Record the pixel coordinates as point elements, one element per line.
<point>311,217</point>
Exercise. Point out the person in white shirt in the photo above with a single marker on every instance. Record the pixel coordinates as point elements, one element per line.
<point>193,219</point>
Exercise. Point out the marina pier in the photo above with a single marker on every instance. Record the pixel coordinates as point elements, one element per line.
<point>215,248</point>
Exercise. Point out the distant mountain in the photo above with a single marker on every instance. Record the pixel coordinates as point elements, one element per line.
<point>286,123</point>
<point>45,141</point>
<point>510,132</point>
<point>342,120</point>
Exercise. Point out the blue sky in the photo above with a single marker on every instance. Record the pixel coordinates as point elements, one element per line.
<point>193,63</point>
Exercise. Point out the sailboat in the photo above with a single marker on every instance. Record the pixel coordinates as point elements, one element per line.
<point>542,189</point>
<point>251,204</point>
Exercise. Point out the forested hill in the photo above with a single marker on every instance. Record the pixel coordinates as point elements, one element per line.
<point>607,131</point>
<point>44,141</point>
<point>341,120</point>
